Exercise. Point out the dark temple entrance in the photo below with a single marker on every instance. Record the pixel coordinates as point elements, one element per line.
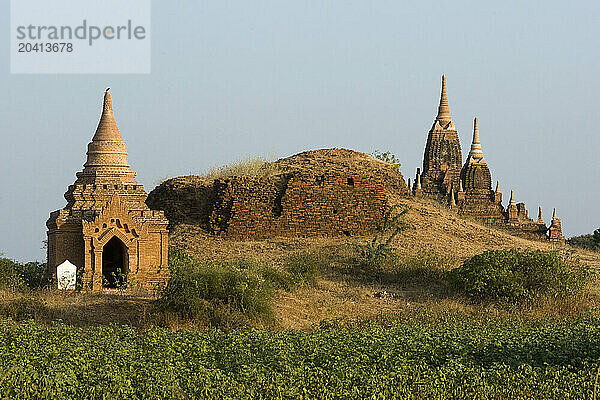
<point>114,263</point>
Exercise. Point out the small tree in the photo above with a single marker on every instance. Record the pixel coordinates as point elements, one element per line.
<point>596,238</point>
<point>387,156</point>
<point>391,226</point>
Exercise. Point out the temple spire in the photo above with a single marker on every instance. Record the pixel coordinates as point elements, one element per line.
<point>540,218</point>
<point>443,109</point>
<point>512,198</point>
<point>554,214</point>
<point>107,129</point>
<point>497,186</point>
<point>476,152</point>
<point>107,152</point>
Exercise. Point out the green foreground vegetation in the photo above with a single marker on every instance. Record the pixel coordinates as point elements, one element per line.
<point>449,356</point>
<point>493,350</point>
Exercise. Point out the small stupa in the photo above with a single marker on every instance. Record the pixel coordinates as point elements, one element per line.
<point>106,229</point>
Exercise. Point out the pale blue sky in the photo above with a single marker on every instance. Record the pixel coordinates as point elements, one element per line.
<point>237,78</point>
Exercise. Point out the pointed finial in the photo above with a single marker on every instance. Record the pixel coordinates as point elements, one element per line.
<point>452,201</point>
<point>443,109</point>
<point>512,198</point>
<point>476,153</point>
<point>460,186</point>
<point>540,218</point>
<point>497,186</point>
<point>107,101</point>
<point>554,214</point>
<point>107,127</point>
<point>409,184</point>
<point>419,181</point>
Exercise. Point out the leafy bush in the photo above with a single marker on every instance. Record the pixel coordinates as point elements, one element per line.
<point>378,254</point>
<point>229,294</point>
<point>10,277</point>
<point>588,242</point>
<point>18,276</point>
<point>210,290</point>
<point>380,247</point>
<point>512,275</point>
<point>33,274</point>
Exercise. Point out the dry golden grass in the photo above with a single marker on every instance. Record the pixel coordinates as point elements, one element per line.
<point>250,166</point>
<point>337,294</point>
<point>435,230</point>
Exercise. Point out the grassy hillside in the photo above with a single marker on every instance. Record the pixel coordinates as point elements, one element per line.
<point>438,240</point>
<point>329,325</point>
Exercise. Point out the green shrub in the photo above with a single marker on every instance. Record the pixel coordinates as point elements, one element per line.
<point>380,247</point>
<point>588,241</point>
<point>387,157</point>
<point>513,275</point>
<point>17,276</point>
<point>10,277</point>
<point>213,291</point>
<point>33,274</point>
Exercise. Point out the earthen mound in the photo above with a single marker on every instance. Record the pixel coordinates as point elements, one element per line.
<point>327,192</point>
<point>344,161</point>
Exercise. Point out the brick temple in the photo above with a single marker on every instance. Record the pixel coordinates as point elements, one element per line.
<point>467,187</point>
<point>106,229</point>
<point>442,161</point>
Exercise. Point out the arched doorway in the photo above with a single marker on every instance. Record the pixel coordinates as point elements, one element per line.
<point>114,263</point>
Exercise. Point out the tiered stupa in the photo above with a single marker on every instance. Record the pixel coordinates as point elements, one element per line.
<point>442,161</point>
<point>468,188</point>
<point>555,231</point>
<point>479,199</point>
<point>106,229</point>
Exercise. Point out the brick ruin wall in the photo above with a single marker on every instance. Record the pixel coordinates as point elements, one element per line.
<point>481,207</point>
<point>304,205</point>
<point>185,200</point>
<point>291,204</point>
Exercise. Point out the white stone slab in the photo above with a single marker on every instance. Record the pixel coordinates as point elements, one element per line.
<point>66,275</point>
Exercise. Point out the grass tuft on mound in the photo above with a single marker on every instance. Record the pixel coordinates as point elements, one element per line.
<point>250,166</point>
